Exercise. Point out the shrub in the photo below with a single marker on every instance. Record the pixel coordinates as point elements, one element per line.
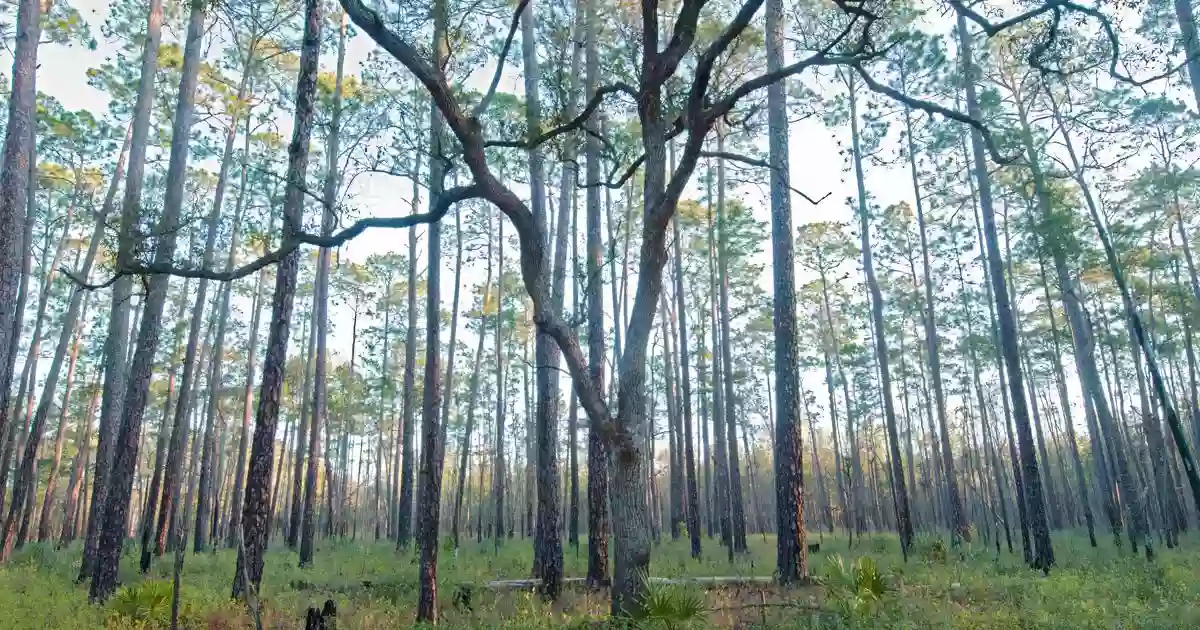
<point>145,603</point>
<point>856,588</point>
<point>931,550</point>
<point>673,606</point>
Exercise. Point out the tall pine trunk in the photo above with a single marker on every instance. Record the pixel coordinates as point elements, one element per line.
<point>791,563</point>
<point>899,489</point>
<point>1043,552</point>
<point>116,508</point>
<point>16,166</point>
<point>320,400</point>
<point>597,448</point>
<point>256,514</point>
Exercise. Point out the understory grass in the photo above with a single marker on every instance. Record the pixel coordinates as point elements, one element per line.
<point>867,585</point>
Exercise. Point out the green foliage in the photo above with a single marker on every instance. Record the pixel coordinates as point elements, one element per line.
<point>858,587</point>
<point>673,606</point>
<point>145,603</point>
<point>930,549</point>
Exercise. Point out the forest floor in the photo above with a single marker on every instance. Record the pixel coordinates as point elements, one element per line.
<point>374,587</point>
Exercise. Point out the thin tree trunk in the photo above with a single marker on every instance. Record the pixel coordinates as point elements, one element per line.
<point>431,451</point>
<point>113,347</point>
<point>791,563</point>
<point>718,394</point>
<point>958,519</point>
<point>259,299</point>
<point>252,541</point>
<point>215,377</point>
<point>1044,553</point>
<point>150,505</point>
<point>83,435</point>
<point>60,435</point>
<point>473,395</point>
<point>405,508</point>
<point>899,489</point>
<point>17,168</point>
<point>320,404</point>
<point>116,508</point>
<point>737,512</point>
<point>597,448</point>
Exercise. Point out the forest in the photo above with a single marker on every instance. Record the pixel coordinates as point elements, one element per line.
<point>594,314</point>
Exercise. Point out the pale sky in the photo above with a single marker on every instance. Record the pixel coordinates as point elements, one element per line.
<point>816,168</point>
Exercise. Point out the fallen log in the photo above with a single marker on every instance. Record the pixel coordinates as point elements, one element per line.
<point>532,583</point>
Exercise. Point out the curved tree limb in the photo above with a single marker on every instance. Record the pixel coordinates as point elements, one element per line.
<point>512,32</point>
<point>934,108</point>
<point>575,123</point>
<point>445,202</point>
<point>750,161</point>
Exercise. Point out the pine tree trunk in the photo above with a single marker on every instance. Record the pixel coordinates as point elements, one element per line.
<point>958,520</point>
<point>113,346</point>
<point>899,489</point>
<point>60,435</point>
<point>464,450</point>
<point>597,449</point>
<point>737,507</point>
<point>718,395</point>
<point>83,435</point>
<point>203,492</point>
<point>1191,43</point>
<point>116,508</point>
<point>675,466</point>
<point>547,555</point>
<point>405,507</point>
<point>498,466</point>
<point>452,347</point>
<point>1044,553</point>
<point>791,563</point>
<point>259,300</point>
<point>320,403</point>
<point>150,504</point>
<point>431,451</point>
<point>16,526</point>
<point>256,514</point>
<point>17,165</point>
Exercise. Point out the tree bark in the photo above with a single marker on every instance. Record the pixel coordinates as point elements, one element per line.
<point>791,562</point>
<point>597,447</point>
<point>116,508</point>
<point>215,384</point>
<point>899,488</point>
<point>1044,553</point>
<point>17,165</point>
<point>256,510</point>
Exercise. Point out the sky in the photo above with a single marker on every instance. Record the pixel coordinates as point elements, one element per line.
<point>817,168</point>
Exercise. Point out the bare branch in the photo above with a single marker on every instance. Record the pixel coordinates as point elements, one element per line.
<point>995,29</point>
<point>683,34</point>
<point>444,203</point>
<point>750,161</point>
<point>575,123</point>
<point>934,108</point>
<point>819,58</point>
<point>512,31</point>
<point>1057,7</point>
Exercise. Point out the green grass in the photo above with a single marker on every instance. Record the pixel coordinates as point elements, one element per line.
<point>375,587</point>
